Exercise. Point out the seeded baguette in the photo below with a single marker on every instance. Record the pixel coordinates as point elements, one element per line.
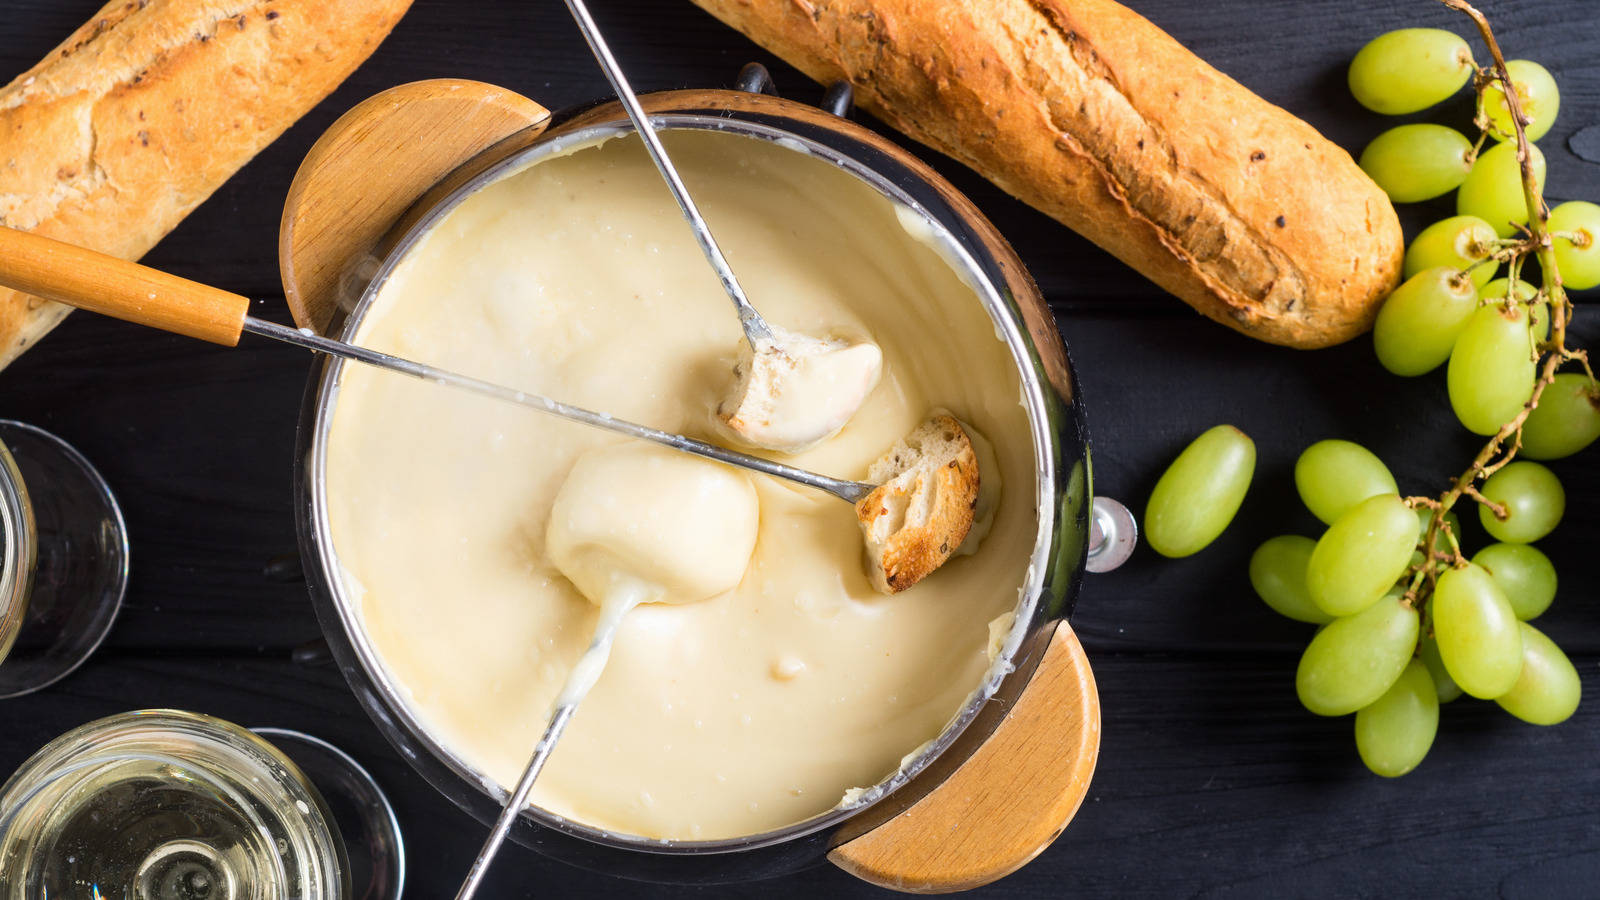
<point>1088,112</point>
<point>147,109</point>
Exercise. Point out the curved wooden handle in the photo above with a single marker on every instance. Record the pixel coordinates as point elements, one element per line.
<point>369,167</point>
<point>83,278</point>
<point>1008,801</point>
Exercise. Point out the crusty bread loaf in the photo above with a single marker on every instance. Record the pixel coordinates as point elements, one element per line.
<point>149,107</point>
<point>1088,112</point>
<point>924,505</point>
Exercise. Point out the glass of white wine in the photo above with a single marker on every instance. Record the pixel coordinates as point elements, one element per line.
<point>63,559</point>
<point>171,805</point>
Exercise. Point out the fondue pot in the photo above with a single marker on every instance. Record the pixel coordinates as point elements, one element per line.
<point>1009,771</point>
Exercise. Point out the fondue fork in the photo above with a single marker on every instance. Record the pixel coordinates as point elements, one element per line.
<point>756,328</point>
<point>748,410</point>
<point>85,279</point>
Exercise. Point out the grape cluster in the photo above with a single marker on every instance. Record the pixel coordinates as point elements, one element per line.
<point>1450,307</point>
<point>1386,651</point>
<point>1405,620</point>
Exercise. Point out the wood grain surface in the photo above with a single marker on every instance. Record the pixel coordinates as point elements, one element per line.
<point>1211,781</point>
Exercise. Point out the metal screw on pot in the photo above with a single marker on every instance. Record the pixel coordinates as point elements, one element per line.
<point>1113,534</point>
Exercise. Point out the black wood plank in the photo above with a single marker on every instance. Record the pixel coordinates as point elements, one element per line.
<point>197,443</point>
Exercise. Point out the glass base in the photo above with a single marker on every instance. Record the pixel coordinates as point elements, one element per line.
<point>81,571</point>
<point>366,821</point>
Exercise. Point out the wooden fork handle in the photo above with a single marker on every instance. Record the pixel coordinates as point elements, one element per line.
<point>84,279</point>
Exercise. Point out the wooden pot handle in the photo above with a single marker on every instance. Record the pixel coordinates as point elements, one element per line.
<point>1008,801</point>
<point>372,165</point>
<point>83,278</point>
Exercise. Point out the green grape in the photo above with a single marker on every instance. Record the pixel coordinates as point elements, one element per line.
<point>1420,321</point>
<point>1443,684</point>
<point>1455,243</point>
<point>1396,731</point>
<point>1500,287</point>
<point>1548,690</point>
<point>1409,70</point>
<point>1417,162</point>
<point>1576,225</point>
<point>1361,555</point>
<point>1352,661</point>
<point>1334,475</point>
<point>1278,573</point>
<point>1477,632</point>
<point>1199,493</point>
<point>1533,498</point>
<point>1541,101</point>
<point>1492,370</point>
<point>1424,516</point>
<point>1525,575</point>
<point>1493,189</point>
<point>1566,420</point>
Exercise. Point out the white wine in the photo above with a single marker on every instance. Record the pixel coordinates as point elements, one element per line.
<point>166,806</point>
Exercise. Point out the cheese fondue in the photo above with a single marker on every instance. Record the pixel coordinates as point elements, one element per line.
<point>762,705</point>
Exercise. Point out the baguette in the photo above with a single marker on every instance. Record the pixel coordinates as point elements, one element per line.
<point>147,109</point>
<point>1088,112</point>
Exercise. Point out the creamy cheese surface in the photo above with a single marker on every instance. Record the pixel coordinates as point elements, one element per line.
<point>577,278</point>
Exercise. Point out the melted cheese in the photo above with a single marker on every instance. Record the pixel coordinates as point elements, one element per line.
<point>577,278</point>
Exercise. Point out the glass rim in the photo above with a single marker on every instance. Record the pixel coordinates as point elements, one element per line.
<point>18,544</point>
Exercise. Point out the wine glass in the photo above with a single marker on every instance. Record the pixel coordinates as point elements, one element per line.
<point>172,805</point>
<point>63,559</point>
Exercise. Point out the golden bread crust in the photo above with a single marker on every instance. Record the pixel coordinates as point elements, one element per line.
<point>148,108</point>
<point>1088,112</point>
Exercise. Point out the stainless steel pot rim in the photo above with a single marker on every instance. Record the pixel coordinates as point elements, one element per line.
<point>1006,319</point>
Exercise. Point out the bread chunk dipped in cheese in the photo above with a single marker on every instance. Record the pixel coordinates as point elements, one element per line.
<point>634,516</point>
<point>636,523</point>
<point>793,391</point>
<point>924,506</point>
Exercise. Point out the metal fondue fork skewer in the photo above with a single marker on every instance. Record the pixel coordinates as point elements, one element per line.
<point>755,327</point>
<point>517,801</point>
<point>850,491</point>
<point>590,665</point>
<point>83,278</point>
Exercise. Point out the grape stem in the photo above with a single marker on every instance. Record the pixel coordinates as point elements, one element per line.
<point>1499,510</point>
<point>1507,441</point>
<point>1410,598</point>
<point>1482,121</point>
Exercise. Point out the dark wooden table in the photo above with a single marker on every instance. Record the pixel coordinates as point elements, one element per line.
<point>1212,779</point>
